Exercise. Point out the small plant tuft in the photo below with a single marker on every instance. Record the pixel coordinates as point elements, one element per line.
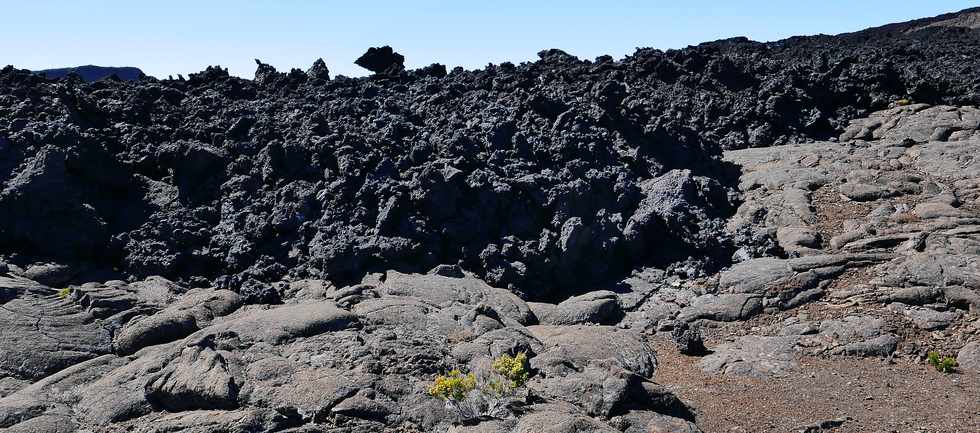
<point>513,368</point>
<point>903,102</point>
<point>945,364</point>
<point>454,386</point>
<point>64,293</point>
<point>473,395</point>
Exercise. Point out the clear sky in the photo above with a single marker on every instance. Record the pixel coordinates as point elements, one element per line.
<point>166,37</point>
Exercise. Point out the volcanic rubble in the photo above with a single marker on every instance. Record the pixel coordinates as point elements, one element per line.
<point>305,253</point>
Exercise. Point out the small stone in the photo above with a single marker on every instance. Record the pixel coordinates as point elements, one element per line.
<point>689,339</point>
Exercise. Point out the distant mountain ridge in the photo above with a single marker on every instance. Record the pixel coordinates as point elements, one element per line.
<point>966,18</point>
<point>94,73</point>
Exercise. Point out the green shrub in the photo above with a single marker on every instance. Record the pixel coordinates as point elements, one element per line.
<point>64,293</point>
<point>945,364</point>
<point>453,386</point>
<point>474,395</point>
<point>514,368</point>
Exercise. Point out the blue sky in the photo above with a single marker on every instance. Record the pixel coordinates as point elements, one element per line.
<point>177,36</point>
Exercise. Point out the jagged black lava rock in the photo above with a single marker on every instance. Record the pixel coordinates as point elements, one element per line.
<point>319,70</point>
<point>689,339</point>
<point>382,60</point>
<point>545,177</point>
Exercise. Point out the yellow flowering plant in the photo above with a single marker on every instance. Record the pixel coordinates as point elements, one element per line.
<point>64,293</point>
<point>453,386</point>
<point>513,368</point>
<point>495,388</point>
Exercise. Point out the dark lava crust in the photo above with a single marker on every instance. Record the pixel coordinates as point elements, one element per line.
<point>544,177</point>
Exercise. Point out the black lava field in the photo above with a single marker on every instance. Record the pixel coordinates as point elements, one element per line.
<point>547,178</point>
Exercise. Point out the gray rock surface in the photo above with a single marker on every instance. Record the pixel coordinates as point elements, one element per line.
<point>444,291</point>
<point>927,318</point>
<point>766,355</point>
<point>968,357</point>
<point>198,379</point>
<point>43,333</point>
<point>560,422</point>
<point>193,311</point>
<point>781,281</point>
<point>193,360</point>
<point>725,308</point>
<point>577,345</point>
<point>857,335</point>
<point>884,218</point>
<point>601,307</point>
<point>652,422</point>
<point>753,356</point>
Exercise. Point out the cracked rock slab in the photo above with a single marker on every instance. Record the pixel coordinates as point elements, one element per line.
<point>580,344</point>
<point>601,307</point>
<point>724,308</point>
<point>753,355</point>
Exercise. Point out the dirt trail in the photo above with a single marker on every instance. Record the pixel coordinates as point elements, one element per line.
<point>869,395</point>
